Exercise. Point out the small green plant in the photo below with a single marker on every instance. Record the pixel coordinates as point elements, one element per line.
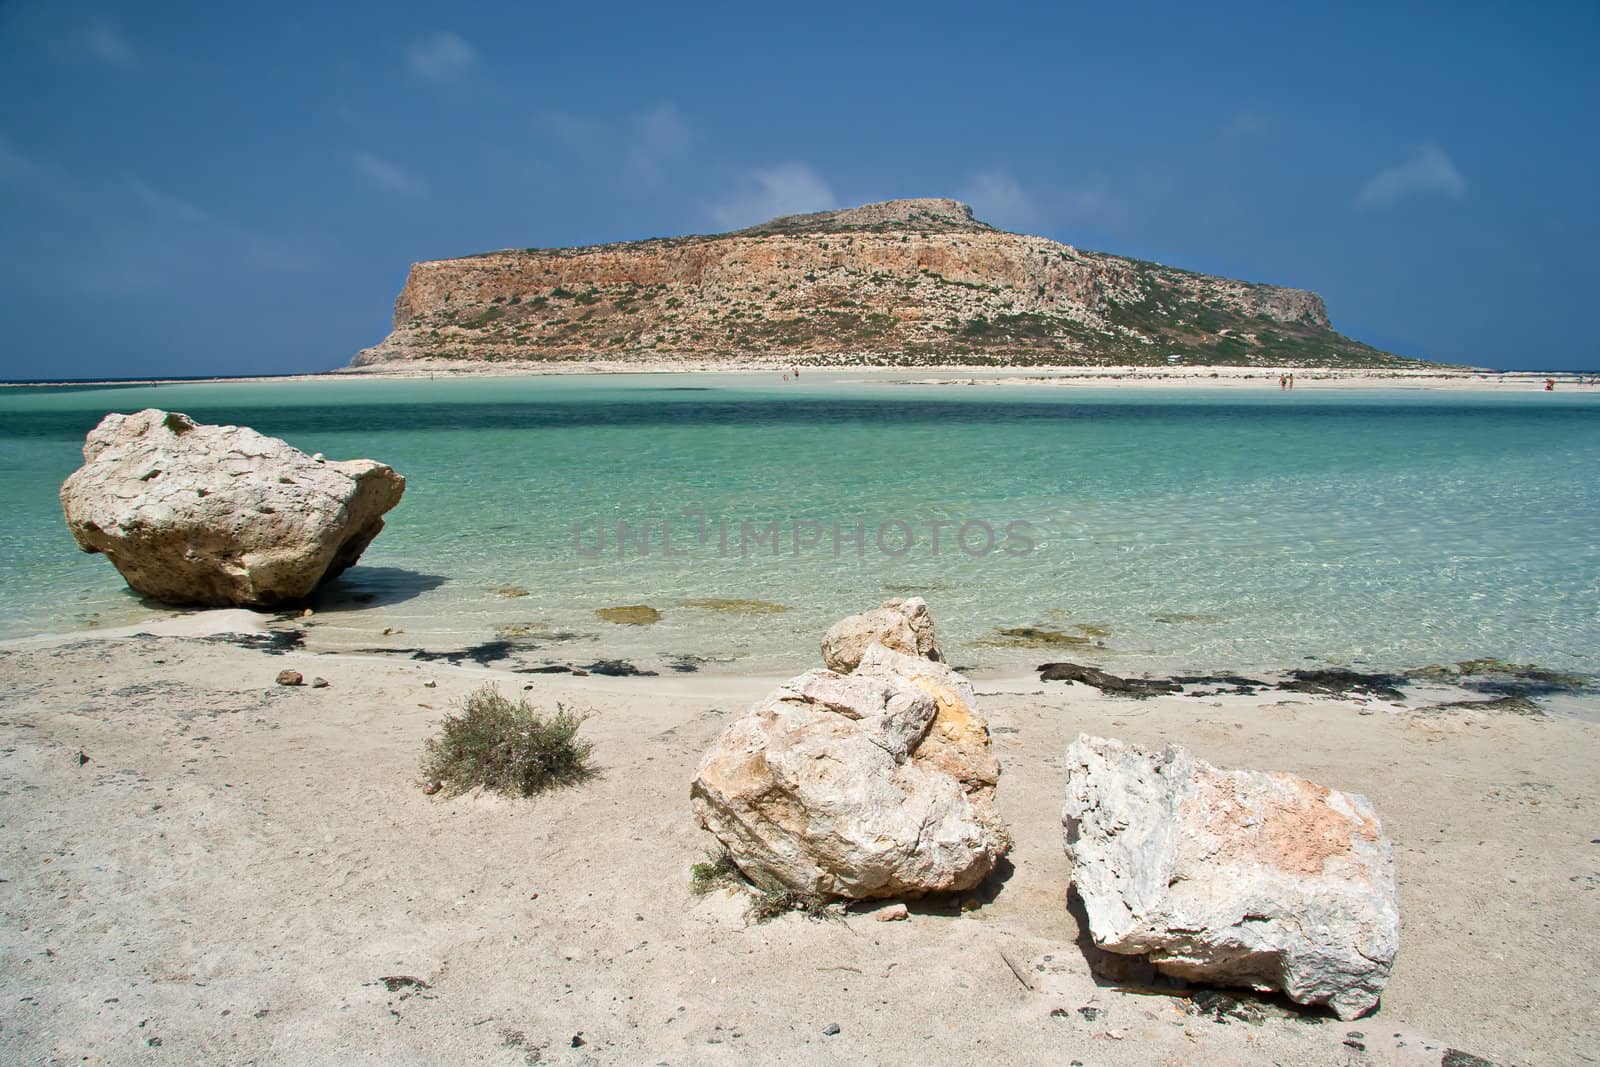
<point>505,746</point>
<point>718,871</point>
<point>771,904</point>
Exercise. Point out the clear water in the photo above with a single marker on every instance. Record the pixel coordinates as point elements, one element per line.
<point>1218,529</point>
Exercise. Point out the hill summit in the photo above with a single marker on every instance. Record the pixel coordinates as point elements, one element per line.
<point>902,281</point>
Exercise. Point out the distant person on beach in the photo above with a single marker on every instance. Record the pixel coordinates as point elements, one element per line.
<point>1283,381</point>
<point>1549,385</point>
<point>797,374</point>
<point>1291,381</point>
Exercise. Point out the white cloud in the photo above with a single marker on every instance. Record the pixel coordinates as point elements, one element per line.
<point>16,167</point>
<point>1090,203</point>
<point>165,204</point>
<point>1244,126</point>
<point>643,145</point>
<point>787,189</point>
<point>998,199</point>
<point>103,39</point>
<point>41,179</point>
<point>441,57</point>
<point>1429,172</point>
<point>385,175</point>
<point>575,130</point>
<point>659,135</point>
<point>94,236</point>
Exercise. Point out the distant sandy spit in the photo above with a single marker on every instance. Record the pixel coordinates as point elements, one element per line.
<point>200,866</point>
<point>1279,379</point>
<point>1229,377</point>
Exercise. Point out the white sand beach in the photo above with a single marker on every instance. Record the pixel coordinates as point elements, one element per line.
<point>199,865</point>
<point>864,369</point>
<point>1197,376</point>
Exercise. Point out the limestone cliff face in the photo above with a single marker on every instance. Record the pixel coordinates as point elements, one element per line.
<point>913,281</point>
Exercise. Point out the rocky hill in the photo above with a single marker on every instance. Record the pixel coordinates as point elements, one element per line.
<point>905,281</point>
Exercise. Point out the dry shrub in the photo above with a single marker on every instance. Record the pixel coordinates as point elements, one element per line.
<point>506,746</point>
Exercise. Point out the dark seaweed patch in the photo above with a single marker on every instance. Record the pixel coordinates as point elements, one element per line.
<point>1503,679</point>
<point>1511,705</point>
<point>273,642</point>
<point>1105,682</point>
<point>1233,684</point>
<point>617,668</point>
<point>483,653</point>
<point>1341,681</point>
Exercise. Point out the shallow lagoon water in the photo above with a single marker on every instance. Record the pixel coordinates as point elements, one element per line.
<point>1181,529</point>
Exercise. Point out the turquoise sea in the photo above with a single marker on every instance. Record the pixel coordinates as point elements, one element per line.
<point>1204,529</point>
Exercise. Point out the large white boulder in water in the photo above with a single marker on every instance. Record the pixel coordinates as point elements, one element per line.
<point>872,784</point>
<point>1240,878</point>
<point>900,625</point>
<point>220,515</point>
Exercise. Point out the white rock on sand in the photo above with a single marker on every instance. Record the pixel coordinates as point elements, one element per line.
<point>901,625</point>
<point>1240,878</point>
<point>958,741</point>
<point>220,515</point>
<point>867,785</point>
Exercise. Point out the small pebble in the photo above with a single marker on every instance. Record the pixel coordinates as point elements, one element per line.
<point>430,684</point>
<point>432,786</point>
<point>319,683</point>
<point>306,614</point>
<point>831,1029</point>
<point>291,678</point>
<point>892,914</point>
<point>577,1040</point>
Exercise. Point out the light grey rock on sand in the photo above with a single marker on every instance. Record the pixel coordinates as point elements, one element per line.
<point>901,625</point>
<point>825,789</point>
<point>1232,877</point>
<point>958,741</point>
<point>220,515</point>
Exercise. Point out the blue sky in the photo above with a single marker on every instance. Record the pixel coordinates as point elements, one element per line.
<point>209,188</point>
